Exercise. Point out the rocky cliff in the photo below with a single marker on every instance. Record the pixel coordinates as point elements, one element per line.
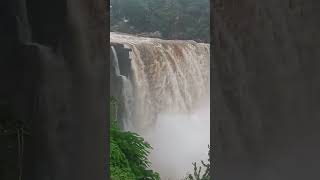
<point>53,78</point>
<point>266,90</point>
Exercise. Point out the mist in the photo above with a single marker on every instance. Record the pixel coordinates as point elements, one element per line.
<point>178,140</point>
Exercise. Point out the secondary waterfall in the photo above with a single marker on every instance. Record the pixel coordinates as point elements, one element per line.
<point>126,91</point>
<point>166,97</point>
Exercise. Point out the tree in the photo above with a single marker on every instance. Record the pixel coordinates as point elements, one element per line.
<point>129,153</point>
<point>174,19</point>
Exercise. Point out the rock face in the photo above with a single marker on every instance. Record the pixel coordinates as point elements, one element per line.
<point>266,90</point>
<point>54,76</point>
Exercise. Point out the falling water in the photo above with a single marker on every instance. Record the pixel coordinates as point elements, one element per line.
<point>127,92</point>
<point>170,93</point>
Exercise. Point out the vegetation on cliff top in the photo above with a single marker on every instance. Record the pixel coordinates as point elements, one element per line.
<point>167,19</point>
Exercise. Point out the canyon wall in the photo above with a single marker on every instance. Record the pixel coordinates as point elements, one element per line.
<point>54,79</point>
<point>266,98</point>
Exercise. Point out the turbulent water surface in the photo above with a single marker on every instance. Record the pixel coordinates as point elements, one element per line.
<point>167,100</point>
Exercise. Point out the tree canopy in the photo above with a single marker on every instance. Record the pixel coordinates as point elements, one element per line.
<point>172,19</point>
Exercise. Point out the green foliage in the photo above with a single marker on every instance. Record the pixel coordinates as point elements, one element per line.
<point>174,19</point>
<point>119,164</point>
<point>197,170</point>
<point>129,152</point>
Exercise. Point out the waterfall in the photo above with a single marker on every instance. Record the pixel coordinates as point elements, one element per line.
<point>170,81</point>
<point>126,91</point>
<point>115,62</point>
<point>167,76</point>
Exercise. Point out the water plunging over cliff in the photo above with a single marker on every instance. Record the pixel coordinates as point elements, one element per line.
<point>169,87</point>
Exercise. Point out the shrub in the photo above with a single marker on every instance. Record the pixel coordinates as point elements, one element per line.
<point>129,153</point>
<point>197,170</point>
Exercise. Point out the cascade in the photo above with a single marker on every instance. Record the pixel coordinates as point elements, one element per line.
<point>166,75</point>
<point>125,91</point>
